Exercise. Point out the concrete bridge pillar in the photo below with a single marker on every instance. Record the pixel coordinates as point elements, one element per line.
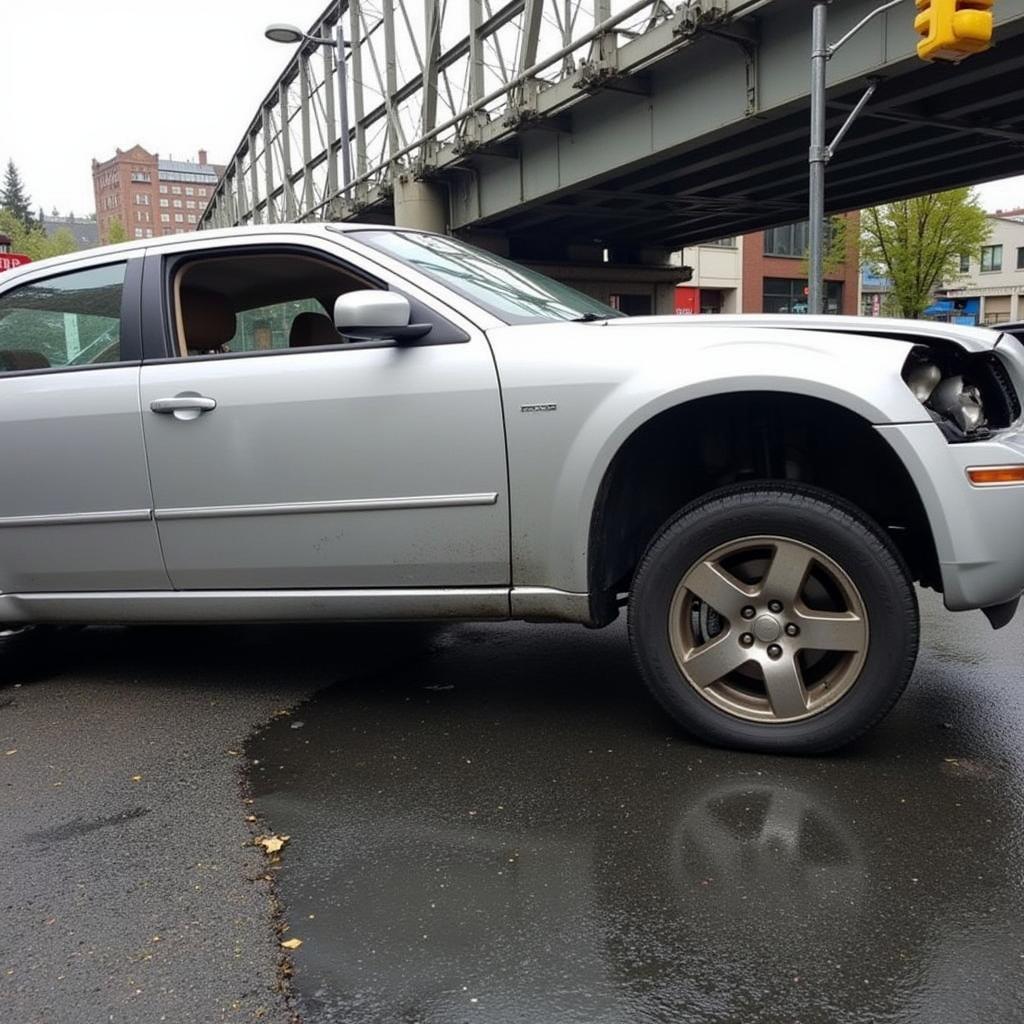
<point>420,204</point>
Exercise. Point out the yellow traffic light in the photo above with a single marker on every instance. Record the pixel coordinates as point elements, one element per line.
<point>952,29</point>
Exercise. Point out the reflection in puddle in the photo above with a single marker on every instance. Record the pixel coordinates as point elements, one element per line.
<point>507,830</point>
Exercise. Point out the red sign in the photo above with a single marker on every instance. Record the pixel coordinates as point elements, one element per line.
<point>10,260</point>
<point>687,300</point>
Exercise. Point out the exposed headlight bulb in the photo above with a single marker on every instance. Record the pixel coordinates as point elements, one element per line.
<point>923,379</point>
<point>959,402</point>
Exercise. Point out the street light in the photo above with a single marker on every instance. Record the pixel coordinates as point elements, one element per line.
<point>280,32</point>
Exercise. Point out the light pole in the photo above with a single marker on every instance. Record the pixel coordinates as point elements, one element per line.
<point>816,165</point>
<point>279,33</point>
<point>819,153</point>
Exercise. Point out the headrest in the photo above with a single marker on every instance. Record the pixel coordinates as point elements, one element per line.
<point>208,319</point>
<point>22,359</point>
<point>312,329</point>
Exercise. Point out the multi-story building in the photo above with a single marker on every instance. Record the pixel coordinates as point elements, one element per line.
<point>717,277</point>
<point>989,290</point>
<point>775,270</point>
<point>148,196</point>
<point>766,272</point>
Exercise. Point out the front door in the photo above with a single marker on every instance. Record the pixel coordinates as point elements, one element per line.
<point>75,505</point>
<point>281,457</point>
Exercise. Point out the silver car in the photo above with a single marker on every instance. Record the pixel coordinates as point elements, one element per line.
<point>363,422</point>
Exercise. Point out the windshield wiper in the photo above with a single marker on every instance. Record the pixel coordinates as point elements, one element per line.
<point>586,318</point>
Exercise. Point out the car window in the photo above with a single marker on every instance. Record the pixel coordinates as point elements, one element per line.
<point>257,301</point>
<point>511,292</point>
<point>68,320</point>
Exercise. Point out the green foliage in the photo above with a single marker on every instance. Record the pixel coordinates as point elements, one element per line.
<point>917,243</point>
<point>835,245</point>
<point>834,256</point>
<point>13,198</point>
<point>32,240</point>
<point>116,233</point>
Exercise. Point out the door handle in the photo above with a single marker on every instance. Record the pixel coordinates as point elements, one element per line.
<point>185,406</point>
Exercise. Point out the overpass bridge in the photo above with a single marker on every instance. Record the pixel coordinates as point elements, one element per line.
<point>554,126</point>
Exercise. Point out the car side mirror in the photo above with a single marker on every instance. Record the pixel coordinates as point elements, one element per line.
<point>376,316</point>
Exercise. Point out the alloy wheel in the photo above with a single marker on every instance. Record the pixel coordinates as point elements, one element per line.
<point>768,629</point>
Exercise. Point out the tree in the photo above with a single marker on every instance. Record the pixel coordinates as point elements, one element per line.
<point>33,241</point>
<point>13,197</point>
<point>834,256</point>
<point>116,232</point>
<point>917,243</point>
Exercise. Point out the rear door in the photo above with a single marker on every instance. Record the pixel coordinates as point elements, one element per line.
<point>330,466</point>
<point>75,504</point>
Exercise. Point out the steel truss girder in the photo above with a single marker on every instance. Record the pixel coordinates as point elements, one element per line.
<point>422,95</point>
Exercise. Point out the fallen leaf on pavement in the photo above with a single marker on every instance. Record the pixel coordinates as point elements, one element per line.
<point>136,778</point>
<point>271,844</point>
<point>9,752</point>
<point>291,943</point>
<point>250,817</point>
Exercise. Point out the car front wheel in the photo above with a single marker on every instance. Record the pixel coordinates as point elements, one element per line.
<point>775,618</point>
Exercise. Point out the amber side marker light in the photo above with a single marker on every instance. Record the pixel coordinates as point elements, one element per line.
<point>996,476</point>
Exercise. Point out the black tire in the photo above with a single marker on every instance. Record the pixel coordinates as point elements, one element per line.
<point>810,516</point>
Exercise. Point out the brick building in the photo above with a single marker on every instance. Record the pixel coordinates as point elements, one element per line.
<point>774,274</point>
<point>765,272</point>
<point>149,196</point>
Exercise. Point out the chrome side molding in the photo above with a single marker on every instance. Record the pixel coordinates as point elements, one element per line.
<point>286,508</point>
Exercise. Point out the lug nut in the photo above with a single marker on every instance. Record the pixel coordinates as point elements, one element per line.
<point>775,606</point>
<point>748,612</point>
<point>774,651</point>
<point>746,640</point>
<point>792,629</point>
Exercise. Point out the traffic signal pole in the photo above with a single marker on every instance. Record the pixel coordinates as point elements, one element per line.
<point>817,159</point>
<point>819,152</point>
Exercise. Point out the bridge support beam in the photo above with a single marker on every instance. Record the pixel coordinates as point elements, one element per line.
<point>420,204</point>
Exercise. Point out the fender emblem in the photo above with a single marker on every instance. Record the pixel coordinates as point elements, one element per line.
<point>541,407</point>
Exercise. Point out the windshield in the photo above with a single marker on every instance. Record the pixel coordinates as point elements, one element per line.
<point>509,291</point>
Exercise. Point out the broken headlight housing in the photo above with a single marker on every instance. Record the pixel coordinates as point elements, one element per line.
<point>968,396</point>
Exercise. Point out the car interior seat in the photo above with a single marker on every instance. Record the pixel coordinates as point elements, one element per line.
<point>312,329</point>
<point>208,320</point>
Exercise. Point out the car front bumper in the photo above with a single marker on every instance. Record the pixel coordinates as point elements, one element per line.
<point>977,530</point>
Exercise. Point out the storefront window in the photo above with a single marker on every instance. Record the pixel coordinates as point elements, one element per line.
<point>789,295</point>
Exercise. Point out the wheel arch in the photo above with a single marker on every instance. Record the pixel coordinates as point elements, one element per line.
<point>687,449</point>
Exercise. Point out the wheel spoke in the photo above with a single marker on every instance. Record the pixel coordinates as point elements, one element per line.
<point>830,631</point>
<point>784,580</point>
<point>785,687</point>
<point>708,663</point>
<point>714,586</point>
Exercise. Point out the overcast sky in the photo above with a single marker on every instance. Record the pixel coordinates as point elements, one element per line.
<point>83,77</point>
<point>174,77</point>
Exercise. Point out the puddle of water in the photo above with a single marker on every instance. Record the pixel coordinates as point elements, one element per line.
<point>505,829</point>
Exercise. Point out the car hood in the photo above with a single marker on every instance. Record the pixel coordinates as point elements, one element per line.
<point>971,339</point>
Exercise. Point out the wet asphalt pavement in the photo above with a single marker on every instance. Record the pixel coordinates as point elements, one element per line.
<point>505,829</point>
<point>493,823</point>
<point>129,888</point>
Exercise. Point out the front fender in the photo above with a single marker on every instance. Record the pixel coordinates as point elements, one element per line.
<point>605,384</point>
